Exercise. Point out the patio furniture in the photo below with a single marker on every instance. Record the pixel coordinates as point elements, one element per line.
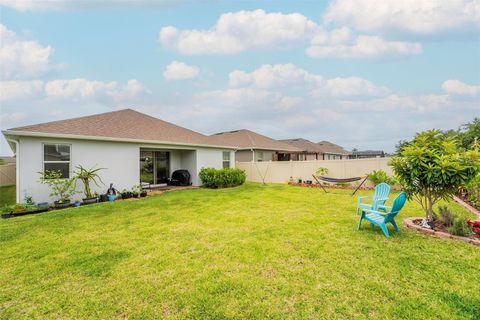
<point>337,180</point>
<point>382,190</point>
<point>381,218</point>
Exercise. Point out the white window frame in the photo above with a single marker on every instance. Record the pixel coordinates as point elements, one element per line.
<point>49,161</point>
<point>226,161</point>
<point>260,156</point>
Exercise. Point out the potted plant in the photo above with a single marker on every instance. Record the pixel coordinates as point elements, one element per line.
<point>103,198</point>
<point>136,191</point>
<point>143,193</point>
<point>62,189</point>
<point>87,176</point>
<point>126,194</point>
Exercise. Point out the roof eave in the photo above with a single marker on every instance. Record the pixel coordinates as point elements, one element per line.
<point>100,138</point>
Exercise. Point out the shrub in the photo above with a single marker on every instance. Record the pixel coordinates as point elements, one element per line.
<point>62,189</point>
<point>447,217</point>
<point>432,167</point>
<point>460,228</point>
<point>222,178</point>
<point>379,176</point>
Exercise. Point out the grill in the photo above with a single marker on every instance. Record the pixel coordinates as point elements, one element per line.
<point>180,178</point>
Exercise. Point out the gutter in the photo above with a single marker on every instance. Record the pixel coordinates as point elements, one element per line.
<point>100,138</point>
<point>17,169</point>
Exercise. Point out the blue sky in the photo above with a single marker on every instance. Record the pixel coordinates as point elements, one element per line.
<point>359,73</point>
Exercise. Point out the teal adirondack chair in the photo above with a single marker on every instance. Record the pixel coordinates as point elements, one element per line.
<point>381,218</point>
<point>382,190</point>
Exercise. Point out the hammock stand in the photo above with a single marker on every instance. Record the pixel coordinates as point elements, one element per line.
<point>328,179</point>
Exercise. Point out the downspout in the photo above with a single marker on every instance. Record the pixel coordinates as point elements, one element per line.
<point>253,154</point>
<point>17,169</point>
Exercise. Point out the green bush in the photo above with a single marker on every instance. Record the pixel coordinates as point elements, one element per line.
<point>222,178</point>
<point>460,228</point>
<point>379,176</point>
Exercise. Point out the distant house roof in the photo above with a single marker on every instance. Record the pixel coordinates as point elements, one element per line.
<point>368,153</point>
<point>304,145</point>
<point>122,124</point>
<point>332,148</point>
<point>246,139</point>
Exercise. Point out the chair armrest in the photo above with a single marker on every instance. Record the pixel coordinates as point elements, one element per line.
<point>375,211</point>
<point>364,197</point>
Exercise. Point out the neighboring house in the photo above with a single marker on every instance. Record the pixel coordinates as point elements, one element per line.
<point>310,150</point>
<point>132,147</point>
<point>358,154</point>
<point>252,146</point>
<point>333,151</point>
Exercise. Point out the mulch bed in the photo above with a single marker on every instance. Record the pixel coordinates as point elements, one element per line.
<point>439,232</point>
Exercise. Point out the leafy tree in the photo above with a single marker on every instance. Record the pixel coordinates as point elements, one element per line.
<point>432,167</point>
<point>469,133</point>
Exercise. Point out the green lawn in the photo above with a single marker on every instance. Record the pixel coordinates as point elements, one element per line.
<point>7,195</point>
<point>251,252</point>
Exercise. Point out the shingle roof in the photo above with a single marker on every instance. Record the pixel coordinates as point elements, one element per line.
<point>246,139</point>
<point>332,148</point>
<point>122,124</point>
<point>304,144</point>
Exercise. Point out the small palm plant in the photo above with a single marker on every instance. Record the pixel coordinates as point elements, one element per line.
<point>87,176</point>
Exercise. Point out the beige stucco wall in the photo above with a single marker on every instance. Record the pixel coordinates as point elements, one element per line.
<point>281,171</point>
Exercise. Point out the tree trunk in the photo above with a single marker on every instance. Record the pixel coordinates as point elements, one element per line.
<point>429,206</point>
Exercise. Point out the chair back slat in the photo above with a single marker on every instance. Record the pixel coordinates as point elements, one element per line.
<point>398,204</point>
<point>382,190</point>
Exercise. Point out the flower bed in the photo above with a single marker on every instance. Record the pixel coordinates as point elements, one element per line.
<point>415,223</point>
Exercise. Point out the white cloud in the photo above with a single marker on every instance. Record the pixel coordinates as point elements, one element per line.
<point>20,89</point>
<point>57,5</point>
<point>343,45</point>
<point>350,87</point>
<point>274,76</point>
<point>9,119</point>
<point>235,32</point>
<point>83,89</point>
<point>72,89</point>
<point>456,87</point>
<point>180,71</point>
<point>412,16</point>
<point>289,76</point>
<point>20,59</point>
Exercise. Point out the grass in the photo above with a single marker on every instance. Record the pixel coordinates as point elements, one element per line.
<point>7,195</point>
<point>251,252</point>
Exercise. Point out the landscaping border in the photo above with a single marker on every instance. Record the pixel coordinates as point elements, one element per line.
<point>467,206</point>
<point>410,223</point>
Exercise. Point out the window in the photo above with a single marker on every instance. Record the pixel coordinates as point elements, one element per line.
<point>226,159</point>
<point>301,157</point>
<point>259,155</point>
<point>57,157</point>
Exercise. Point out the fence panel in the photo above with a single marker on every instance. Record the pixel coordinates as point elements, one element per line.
<point>282,171</point>
<point>7,174</point>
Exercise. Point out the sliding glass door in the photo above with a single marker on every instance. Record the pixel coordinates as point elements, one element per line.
<point>154,166</point>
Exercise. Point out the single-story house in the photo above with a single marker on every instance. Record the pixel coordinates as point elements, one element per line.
<point>132,147</point>
<point>310,150</point>
<point>252,146</point>
<point>364,154</point>
<point>332,151</point>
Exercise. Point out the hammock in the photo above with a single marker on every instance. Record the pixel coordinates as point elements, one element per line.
<point>335,180</point>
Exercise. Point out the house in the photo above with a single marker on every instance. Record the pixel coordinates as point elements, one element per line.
<point>132,147</point>
<point>358,154</point>
<point>310,150</point>
<point>332,151</point>
<point>252,146</point>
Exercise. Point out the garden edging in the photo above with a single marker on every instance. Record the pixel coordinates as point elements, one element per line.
<point>467,206</point>
<point>410,223</point>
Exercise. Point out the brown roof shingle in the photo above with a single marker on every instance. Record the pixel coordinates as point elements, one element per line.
<point>246,139</point>
<point>332,148</point>
<point>122,124</point>
<point>304,144</point>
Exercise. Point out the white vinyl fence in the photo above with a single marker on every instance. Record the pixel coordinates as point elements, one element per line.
<point>7,174</point>
<point>281,171</point>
